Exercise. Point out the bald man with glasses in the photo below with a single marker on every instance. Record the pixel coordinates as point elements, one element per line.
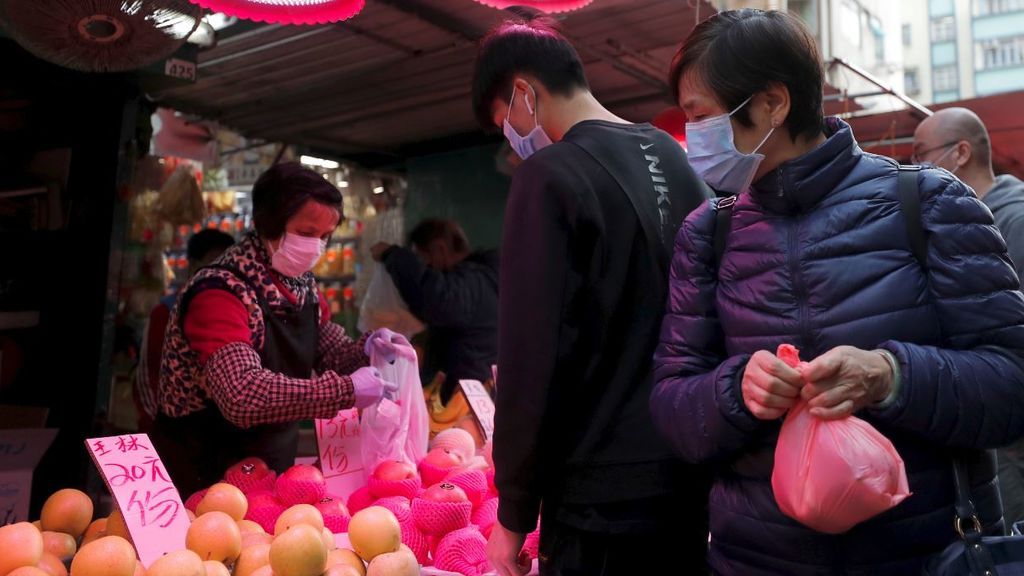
<point>957,140</point>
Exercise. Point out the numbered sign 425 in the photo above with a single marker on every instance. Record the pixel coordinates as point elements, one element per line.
<point>148,500</point>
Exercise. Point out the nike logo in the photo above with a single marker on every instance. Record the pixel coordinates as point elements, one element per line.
<point>643,147</point>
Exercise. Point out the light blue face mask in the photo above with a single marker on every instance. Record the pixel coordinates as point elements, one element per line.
<point>525,146</point>
<point>713,155</point>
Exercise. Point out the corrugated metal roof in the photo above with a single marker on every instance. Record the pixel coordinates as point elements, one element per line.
<point>399,73</point>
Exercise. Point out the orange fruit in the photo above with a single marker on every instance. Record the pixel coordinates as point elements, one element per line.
<point>252,558</point>
<point>27,571</point>
<point>346,557</point>
<point>299,551</point>
<point>21,544</point>
<point>178,563</point>
<point>400,563</point>
<point>374,531</point>
<point>299,514</point>
<point>264,571</point>
<point>107,556</point>
<point>59,544</point>
<point>68,511</point>
<point>97,528</point>
<point>191,515</point>
<point>214,536</point>
<point>254,539</point>
<point>328,538</point>
<point>52,565</point>
<point>38,524</point>
<point>342,570</point>
<point>214,568</point>
<point>140,570</point>
<point>224,498</point>
<point>250,527</point>
<point>116,525</point>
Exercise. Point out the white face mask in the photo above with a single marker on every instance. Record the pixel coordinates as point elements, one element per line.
<point>525,146</point>
<point>296,254</point>
<point>711,148</point>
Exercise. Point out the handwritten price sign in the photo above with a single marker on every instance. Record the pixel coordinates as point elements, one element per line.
<point>481,404</point>
<point>341,459</point>
<point>150,503</point>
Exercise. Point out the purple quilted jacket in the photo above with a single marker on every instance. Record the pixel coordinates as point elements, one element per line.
<point>819,256</point>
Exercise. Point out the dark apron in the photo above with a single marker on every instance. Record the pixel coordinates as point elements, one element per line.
<point>199,447</point>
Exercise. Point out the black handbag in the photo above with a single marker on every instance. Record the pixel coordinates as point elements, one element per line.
<point>975,554</point>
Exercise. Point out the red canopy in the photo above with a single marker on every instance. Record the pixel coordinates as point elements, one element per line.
<point>286,11</point>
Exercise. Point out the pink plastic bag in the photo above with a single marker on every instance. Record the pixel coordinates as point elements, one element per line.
<point>831,475</point>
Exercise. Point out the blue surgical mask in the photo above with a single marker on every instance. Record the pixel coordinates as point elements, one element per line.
<point>525,146</point>
<point>712,151</point>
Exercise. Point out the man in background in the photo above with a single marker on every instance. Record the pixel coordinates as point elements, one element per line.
<point>203,248</point>
<point>454,291</point>
<point>957,140</point>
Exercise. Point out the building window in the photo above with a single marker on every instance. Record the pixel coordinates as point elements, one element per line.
<point>849,22</point>
<point>906,34</point>
<point>943,29</point>
<point>999,52</point>
<point>945,78</point>
<point>911,85</point>
<point>987,7</point>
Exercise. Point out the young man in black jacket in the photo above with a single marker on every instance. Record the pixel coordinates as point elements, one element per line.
<point>454,291</point>
<point>588,235</point>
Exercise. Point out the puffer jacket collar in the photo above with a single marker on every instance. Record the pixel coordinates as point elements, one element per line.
<point>798,185</point>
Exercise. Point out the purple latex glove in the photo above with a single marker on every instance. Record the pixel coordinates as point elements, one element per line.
<point>370,387</point>
<point>387,344</point>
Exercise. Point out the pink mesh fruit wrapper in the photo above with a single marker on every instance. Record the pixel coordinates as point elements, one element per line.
<point>440,518</point>
<point>407,488</point>
<point>472,482</point>
<point>831,475</point>
<point>463,551</point>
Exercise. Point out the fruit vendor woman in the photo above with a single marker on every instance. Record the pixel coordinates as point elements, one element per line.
<point>250,349</point>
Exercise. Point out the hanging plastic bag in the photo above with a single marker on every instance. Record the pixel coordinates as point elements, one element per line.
<point>831,475</point>
<point>383,307</point>
<point>396,428</point>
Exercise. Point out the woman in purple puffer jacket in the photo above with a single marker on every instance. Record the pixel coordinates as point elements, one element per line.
<point>818,255</point>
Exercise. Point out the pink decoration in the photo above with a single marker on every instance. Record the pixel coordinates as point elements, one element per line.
<point>286,11</point>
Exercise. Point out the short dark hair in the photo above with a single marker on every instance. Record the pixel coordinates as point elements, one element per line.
<point>202,243</point>
<point>738,53</point>
<point>280,193</point>
<point>532,44</point>
<point>433,229</point>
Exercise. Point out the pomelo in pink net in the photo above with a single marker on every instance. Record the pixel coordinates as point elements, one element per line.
<point>831,475</point>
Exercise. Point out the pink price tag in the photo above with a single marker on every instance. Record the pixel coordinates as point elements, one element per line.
<point>481,404</point>
<point>147,498</point>
<point>340,448</point>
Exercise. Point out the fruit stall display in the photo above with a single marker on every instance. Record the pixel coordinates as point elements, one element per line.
<point>430,519</point>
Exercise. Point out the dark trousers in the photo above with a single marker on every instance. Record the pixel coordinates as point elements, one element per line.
<point>568,551</point>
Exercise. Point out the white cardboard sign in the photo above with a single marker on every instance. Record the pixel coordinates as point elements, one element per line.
<point>20,452</point>
<point>481,404</point>
<point>152,508</point>
<point>341,459</point>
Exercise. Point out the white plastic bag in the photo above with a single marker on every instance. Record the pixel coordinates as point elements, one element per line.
<point>383,307</point>
<point>396,429</point>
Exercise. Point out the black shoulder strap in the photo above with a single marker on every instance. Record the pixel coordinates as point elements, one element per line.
<point>723,225</point>
<point>910,205</point>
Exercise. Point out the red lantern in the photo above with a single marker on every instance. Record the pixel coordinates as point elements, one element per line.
<point>286,11</point>
<point>673,121</point>
<point>548,6</point>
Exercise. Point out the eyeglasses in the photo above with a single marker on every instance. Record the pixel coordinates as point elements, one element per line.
<point>916,157</point>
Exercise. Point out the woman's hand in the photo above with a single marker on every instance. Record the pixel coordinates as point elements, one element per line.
<point>770,387</point>
<point>844,380</point>
<point>388,345</point>
<point>370,388</point>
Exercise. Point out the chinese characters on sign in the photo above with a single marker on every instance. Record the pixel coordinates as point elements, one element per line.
<point>341,461</point>
<point>150,503</point>
<point>481,404</point>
